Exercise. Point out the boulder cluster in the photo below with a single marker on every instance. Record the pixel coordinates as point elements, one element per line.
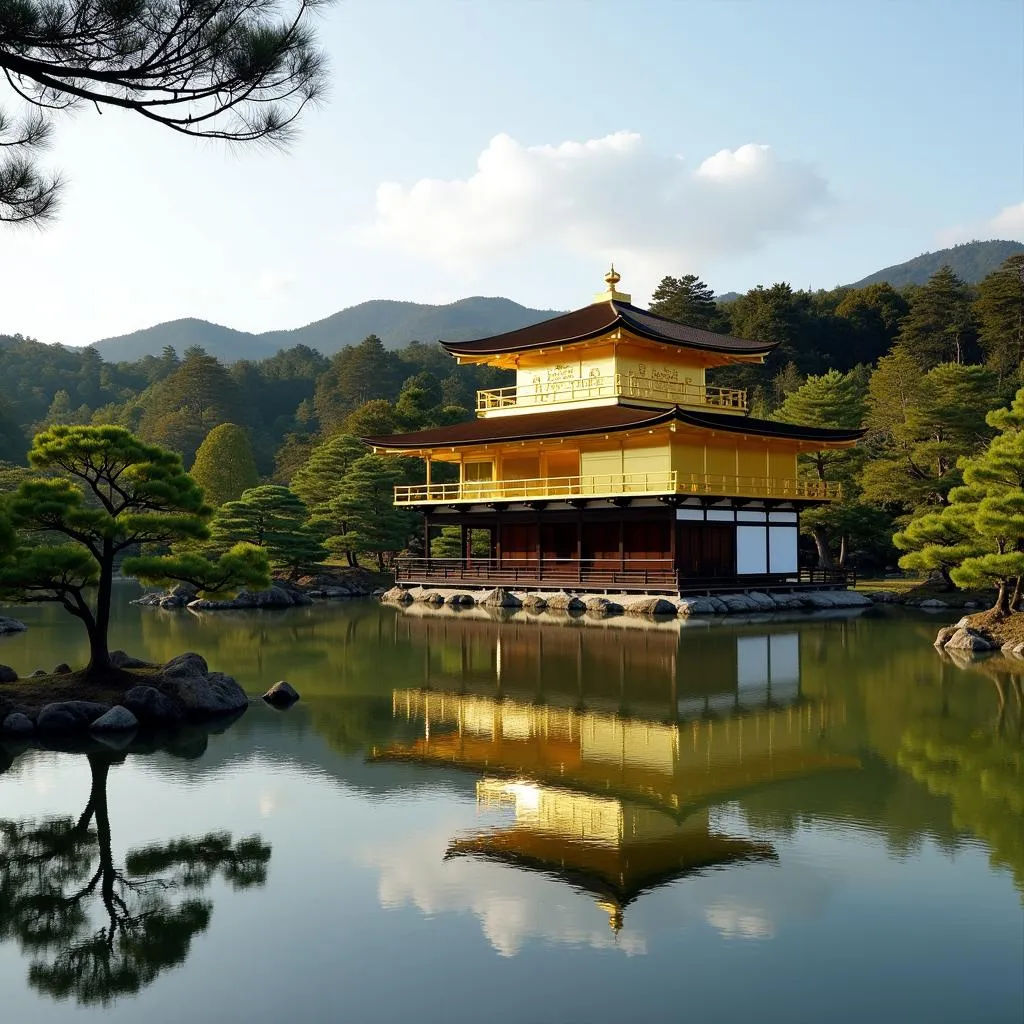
<point>281,594</point>
<point>182,690</point>
<point>963,637</point>
<point>631,604</point>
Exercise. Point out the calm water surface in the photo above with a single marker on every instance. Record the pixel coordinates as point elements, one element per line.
<point>809,820</point>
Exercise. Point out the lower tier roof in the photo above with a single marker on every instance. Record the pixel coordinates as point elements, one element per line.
<point>600,420</point>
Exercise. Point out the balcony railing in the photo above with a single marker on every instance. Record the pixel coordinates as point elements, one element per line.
<point>637,574</point>
<point>613,485</point>
<point>618,386</point>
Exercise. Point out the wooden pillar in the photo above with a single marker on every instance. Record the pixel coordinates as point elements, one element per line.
<point>497,537</point>
<point>579,543</point>
<point>467,545</point>
<point>426,534</point>
<point>672,530</point>
<point>540,548</point>
<point>622,541</point>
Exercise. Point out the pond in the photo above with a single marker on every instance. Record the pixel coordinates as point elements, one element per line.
<point>465,819</point>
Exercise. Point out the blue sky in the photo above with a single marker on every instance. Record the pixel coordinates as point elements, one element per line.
<point>512,148</point>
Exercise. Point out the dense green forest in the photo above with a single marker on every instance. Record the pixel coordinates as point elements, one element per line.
<point>918,367</point>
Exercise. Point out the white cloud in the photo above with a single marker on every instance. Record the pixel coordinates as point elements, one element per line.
<point>1008,223</point>
<point>612,198</point>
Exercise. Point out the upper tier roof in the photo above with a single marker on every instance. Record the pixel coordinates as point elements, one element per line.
<point>600,317</point>
<point>600,420</point>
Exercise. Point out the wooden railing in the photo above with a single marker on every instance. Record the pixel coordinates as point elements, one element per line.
<point>611,485</point>
<point>640,574</point>
<point>619,385</point>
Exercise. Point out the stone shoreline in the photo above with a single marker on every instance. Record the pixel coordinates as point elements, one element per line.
<point>149,697</point>
<point>630,604</point>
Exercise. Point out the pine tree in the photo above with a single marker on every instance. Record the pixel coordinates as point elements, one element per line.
<point>939,326</point>
<point>272,518</point>
<point>357,374</point>
<point>362,518</point>
<point>688,300</point>
<point>224,465</point>
<point>1000,312</point>
<point>138,495</point>
<point>979,538</point>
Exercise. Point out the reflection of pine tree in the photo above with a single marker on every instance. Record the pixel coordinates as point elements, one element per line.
<point>980,770</point>
<point>54,872</point>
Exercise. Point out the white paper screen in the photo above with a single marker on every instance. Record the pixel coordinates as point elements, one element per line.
<point>751,549</point>
<point>782,548</point>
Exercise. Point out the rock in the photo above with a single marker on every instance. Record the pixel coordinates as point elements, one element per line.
<point>688,606</point>
<point>39,672</point>
<point>152,708</point>
<point>563,602</point>
<point>12,626</point>
<point>70,716</point>
<point>117,719</point>
<point>281,695</point>
<point>185,665</point>
<point>534,603</point>
<point>379,592</point>
<point>501,598</point>
<point>17,724</point>
<point>276,596</point>
<point>944,635</point>
<point>884,597</point>
<point>602,606</point>
<point>967,640</point>
<point>651,606</point>
<point>120,659</point>
<point>964,622</point>
<point>460,600</point>
<point>62,669</point>
<point>738,603</point>
<point>432,597</point>
<point>933,602</point>
<point>7,674</point>
<point>396,595</point>
<point>1018,651</point>
<point>200,695</point>
<point>763,602</point>
<point>971,604</point>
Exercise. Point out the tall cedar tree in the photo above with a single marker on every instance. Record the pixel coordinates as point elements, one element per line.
<point>224,465</point>
<point>919,426</point>
<point>939,326</point>
<point>272,518</point>
<point>184,407</point>
<point>237,70</point>
<point>115,495</point>
<point>690,301</point>
<point>834,400</point>
<point>356,374</point>
<point>1000,312</point>
<point>362,518</point>
<point>318,482</point>
<point>110,928</point>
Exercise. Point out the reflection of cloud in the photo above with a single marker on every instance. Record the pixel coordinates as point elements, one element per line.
<point>733,921</point>
<point>512,907</point>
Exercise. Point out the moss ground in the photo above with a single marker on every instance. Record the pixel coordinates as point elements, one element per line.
<point>36,692</point>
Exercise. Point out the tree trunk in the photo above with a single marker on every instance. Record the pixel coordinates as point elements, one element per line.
<point>842,552</point>
<point>1002,606</point>
<point>1015,600</point>
<point>99,630</point>
<point>380,561</point>
<point>821,543</point>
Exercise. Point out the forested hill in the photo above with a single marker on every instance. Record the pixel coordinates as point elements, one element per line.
<point>395,323</point>
<point>971,262</point>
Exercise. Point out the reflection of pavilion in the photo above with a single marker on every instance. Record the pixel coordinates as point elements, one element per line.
<point>612,849</point>
<point>617,804</point>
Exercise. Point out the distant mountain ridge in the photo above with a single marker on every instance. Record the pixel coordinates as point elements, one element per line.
<point>397,323</point>
<point>970,261</point>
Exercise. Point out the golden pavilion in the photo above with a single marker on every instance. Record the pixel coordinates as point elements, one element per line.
<point>611,464</point>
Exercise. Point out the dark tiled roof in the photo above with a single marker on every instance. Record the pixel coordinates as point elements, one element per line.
<point>528,426</point>
<point>599,318</point>
<point>601,419</point>
<point>764,428</point>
